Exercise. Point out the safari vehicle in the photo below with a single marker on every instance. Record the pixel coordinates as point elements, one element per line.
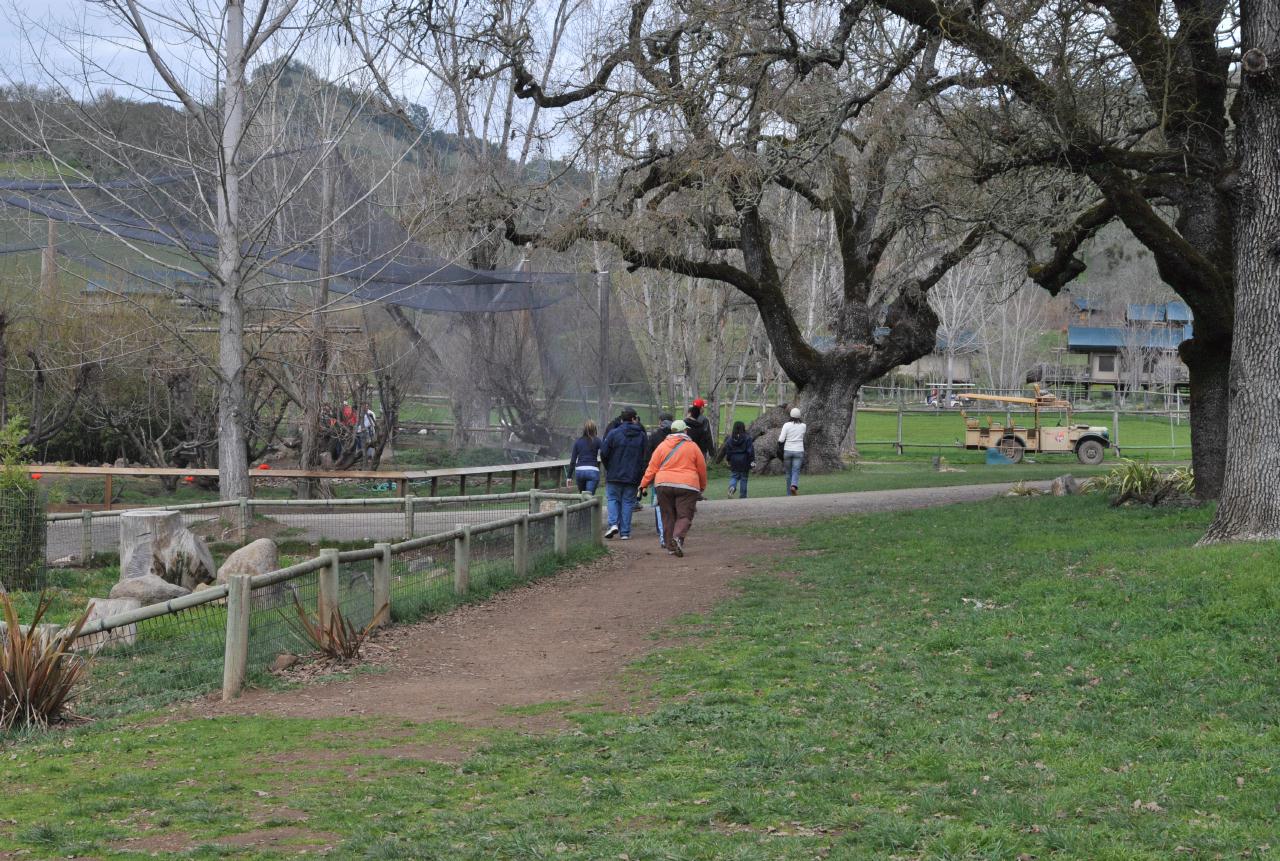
<point>1013,440</point>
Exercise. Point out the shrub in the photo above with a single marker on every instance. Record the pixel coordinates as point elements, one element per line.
<point>38,672</point>
<point>340,640</point>
<point>1142,482</point>
<point>22,513</point>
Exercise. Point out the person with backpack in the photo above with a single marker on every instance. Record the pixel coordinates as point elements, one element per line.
<point>584,461</point>
<point>678,473</point>
<point>740,452</point>
<point>622,454</point>
<point>791,445</point>
<point>700,428</point>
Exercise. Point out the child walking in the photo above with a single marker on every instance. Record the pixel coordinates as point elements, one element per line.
<point>740,452</point>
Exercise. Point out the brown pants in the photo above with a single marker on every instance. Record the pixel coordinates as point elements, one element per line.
<point>677,506</point>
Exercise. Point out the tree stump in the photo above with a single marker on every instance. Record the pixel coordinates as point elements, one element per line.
<point>142,535</point>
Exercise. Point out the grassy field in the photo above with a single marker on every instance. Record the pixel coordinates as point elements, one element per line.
<point>1028,678</point>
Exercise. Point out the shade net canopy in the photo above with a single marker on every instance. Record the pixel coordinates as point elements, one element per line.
<point>122,226</point>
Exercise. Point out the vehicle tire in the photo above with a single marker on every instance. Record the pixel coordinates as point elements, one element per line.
<point>1090,452</point>
<point>1011,448</point>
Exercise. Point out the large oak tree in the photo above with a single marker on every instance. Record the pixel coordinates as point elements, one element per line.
<point>720,118</point>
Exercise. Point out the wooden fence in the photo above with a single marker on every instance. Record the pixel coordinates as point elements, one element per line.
<point>545,470</point>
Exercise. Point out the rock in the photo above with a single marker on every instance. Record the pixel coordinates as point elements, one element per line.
<point>121,463</point>
<point>257,557</point>
<point>1064,485</point>
<point>64,562</point>
<point>102,608</point>
<point>148,589</point>
<point>283,661</point>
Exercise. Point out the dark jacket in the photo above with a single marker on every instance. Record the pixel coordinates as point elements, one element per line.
<point>616,423</point>
<point>656,437</point>
<point>700,432</point>
<point>623,453</point>
<point>586,452</point>
<point>739,451</point>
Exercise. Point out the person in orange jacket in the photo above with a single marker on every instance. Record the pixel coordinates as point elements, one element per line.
<point>678,472</point>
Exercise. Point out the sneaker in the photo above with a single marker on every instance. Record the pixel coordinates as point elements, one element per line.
<point>794,491</point>
<point>679,551</point>
<point>624,537</point>
<point>611,531</point>
<point>733,491</point>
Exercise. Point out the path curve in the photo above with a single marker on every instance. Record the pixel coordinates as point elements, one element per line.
<point>566,638</point>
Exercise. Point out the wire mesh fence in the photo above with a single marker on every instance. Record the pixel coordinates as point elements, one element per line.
<point>157,655</point>
<point>273,621</point>
<point>156,661</point>
<point>421,581</point>
<point>22,536</point>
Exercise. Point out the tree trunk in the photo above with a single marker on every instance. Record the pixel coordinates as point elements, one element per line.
<point>826,407</point>
<point>1250,502</point>
<point>233,455</point>
<point>318,352</point>
<point>1208,364</point>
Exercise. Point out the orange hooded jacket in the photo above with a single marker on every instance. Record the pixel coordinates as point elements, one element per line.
<point>686,468</point>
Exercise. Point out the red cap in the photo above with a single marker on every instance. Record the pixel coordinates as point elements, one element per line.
<point>699,403</point>
<point>264,466</point>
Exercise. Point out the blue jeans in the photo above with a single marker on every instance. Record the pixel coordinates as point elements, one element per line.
<point>621,501</point>
<point>738,480</point>
<point>793,460</point>
<point>587,480</point>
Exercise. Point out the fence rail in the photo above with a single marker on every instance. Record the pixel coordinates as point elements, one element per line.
<point>228,634</point>
<point>404,479</point>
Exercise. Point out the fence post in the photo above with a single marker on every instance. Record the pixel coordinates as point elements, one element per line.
<point>520,553</point>
<point>1115,423</point>
<point>86,537</point>
<point>235,658</point>
<point>533,502</point>
<point>898,443</point>
<point>408,516</point>
<point>244,519</point>
<point>462,560</point>
<point>382,584</point>
<point>327,596</point>
<point>562,532</point>
<point>597,519</point>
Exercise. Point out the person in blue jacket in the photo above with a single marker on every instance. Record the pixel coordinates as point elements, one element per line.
<point>740,452</point>
<point>623,456</point>
<point>585,459</point>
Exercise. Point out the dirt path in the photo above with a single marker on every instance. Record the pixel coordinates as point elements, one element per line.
<point>568,637</point>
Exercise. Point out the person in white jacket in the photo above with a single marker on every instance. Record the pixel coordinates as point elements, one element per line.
<point>791,440</point>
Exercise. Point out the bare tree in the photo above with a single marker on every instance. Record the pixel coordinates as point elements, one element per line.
<point>1124,110</point>
<point>959,301</point>
<point>738,110</point>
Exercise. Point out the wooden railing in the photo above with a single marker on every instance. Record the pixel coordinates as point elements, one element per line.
<point>540,470</point>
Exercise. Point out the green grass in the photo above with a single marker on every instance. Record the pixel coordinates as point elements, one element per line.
<point>1045,678</point>
<point>898,475</point>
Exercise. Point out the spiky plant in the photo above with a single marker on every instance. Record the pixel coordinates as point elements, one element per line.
<point>339,639</point>
<point>38,673</point>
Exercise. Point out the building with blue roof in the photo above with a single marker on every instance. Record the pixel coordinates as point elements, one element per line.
<point>1142,353</point>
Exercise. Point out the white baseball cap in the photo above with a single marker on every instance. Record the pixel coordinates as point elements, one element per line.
<point>795,412</point>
